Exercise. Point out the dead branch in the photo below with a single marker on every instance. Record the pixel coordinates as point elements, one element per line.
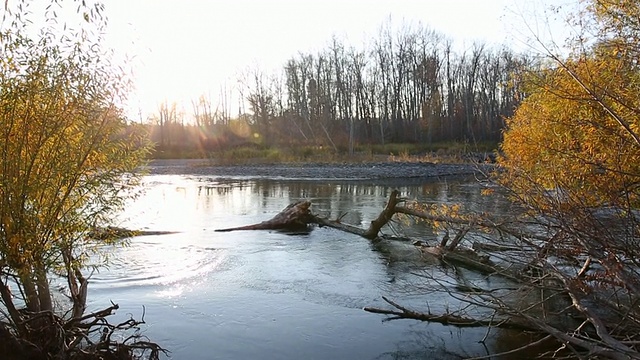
<point>471,260</point>
<point>114,232</point>
<point>491,247</point>
<point>384,217</point>
<point>447,319</point>
<point>594,348</point>
<point>585,308</point>
<point>338,225</point>
<point>507,228</point>
<point>441,218</point>
<point>459,236</point>
<point>79,322</point>
<point>514,351</point>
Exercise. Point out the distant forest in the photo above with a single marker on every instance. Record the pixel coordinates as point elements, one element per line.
<point>405,87</point>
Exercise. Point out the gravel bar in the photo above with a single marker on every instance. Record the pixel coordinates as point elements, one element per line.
<point>318,171</point>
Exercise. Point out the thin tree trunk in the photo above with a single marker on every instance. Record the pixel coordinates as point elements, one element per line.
<point>31,294</point>
<point>77,285</point>
<point>44,292</point>
<point>384,217</point>
<point>16,317</point>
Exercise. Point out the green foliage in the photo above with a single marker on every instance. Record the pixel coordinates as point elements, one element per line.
<point>445,152</point>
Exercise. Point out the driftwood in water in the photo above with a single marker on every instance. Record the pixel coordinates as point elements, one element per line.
<point>377,224</point>
<point>114,232</point>
<point>298,215</point>
<point>447,251</point>
<point>295,216</point>
<point>384,217</point>
<point>448,318</point>
<point>338,225</point>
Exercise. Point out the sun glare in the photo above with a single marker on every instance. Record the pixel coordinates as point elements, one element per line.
<point>189,48</point>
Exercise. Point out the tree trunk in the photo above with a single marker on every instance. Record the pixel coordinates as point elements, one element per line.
<point>31,294</point>
<point>294,217</point>
<point>44,293</point>
<point>7,300</point>
<point>384,217</point>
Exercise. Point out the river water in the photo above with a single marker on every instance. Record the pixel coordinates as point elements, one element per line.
<point>276,295</point>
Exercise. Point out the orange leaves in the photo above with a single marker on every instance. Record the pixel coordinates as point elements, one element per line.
<point>577,133</point>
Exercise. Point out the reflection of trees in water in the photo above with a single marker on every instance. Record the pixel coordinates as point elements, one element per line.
<point>507,340</point>
<point>353,202</point>
<point>428,341</point>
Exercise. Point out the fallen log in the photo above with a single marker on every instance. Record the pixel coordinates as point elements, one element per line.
<point>372,232</point>
<point>338,225</point>
<point>296,216</point>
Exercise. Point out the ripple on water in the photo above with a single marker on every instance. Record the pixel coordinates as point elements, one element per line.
<point>151,264</point>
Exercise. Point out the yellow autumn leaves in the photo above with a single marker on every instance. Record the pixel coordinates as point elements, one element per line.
<point>66,153</point>
<point>576,137</point>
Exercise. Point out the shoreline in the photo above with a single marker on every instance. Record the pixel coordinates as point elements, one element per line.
<point>319,171</point>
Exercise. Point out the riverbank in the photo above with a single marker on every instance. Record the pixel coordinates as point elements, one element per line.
<point>320,171</point>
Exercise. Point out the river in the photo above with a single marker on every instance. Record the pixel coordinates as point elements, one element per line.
<point>275,295</point>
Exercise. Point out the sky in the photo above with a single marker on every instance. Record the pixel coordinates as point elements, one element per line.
<point>184,49</point>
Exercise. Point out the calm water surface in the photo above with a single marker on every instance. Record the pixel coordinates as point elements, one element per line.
<point>275,295</point>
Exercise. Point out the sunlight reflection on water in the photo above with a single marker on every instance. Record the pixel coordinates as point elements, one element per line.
<point>272,295</point>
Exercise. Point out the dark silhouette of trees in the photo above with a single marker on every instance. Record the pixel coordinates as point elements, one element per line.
<point>406,86</point>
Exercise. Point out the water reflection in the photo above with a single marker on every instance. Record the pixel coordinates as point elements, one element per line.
<point>269,295</point>
<point>360,201</point>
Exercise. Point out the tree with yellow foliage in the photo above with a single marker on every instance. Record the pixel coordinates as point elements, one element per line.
<point>571,157</point>
<point>68,161</point>
<point>577,134</point>
<point>570,249</point>
<point>578,131</point>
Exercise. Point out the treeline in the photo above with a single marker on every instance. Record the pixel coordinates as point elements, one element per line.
<point>409,86</point>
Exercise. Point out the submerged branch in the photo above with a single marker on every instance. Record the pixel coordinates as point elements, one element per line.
<point>447,319</point>
<point>114,232</point>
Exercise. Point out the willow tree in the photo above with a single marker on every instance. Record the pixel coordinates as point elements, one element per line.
<point>68,162</point>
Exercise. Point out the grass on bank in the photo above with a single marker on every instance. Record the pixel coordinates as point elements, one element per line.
<point>446,152</point>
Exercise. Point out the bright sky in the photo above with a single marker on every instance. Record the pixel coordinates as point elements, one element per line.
<point>188,48</point>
